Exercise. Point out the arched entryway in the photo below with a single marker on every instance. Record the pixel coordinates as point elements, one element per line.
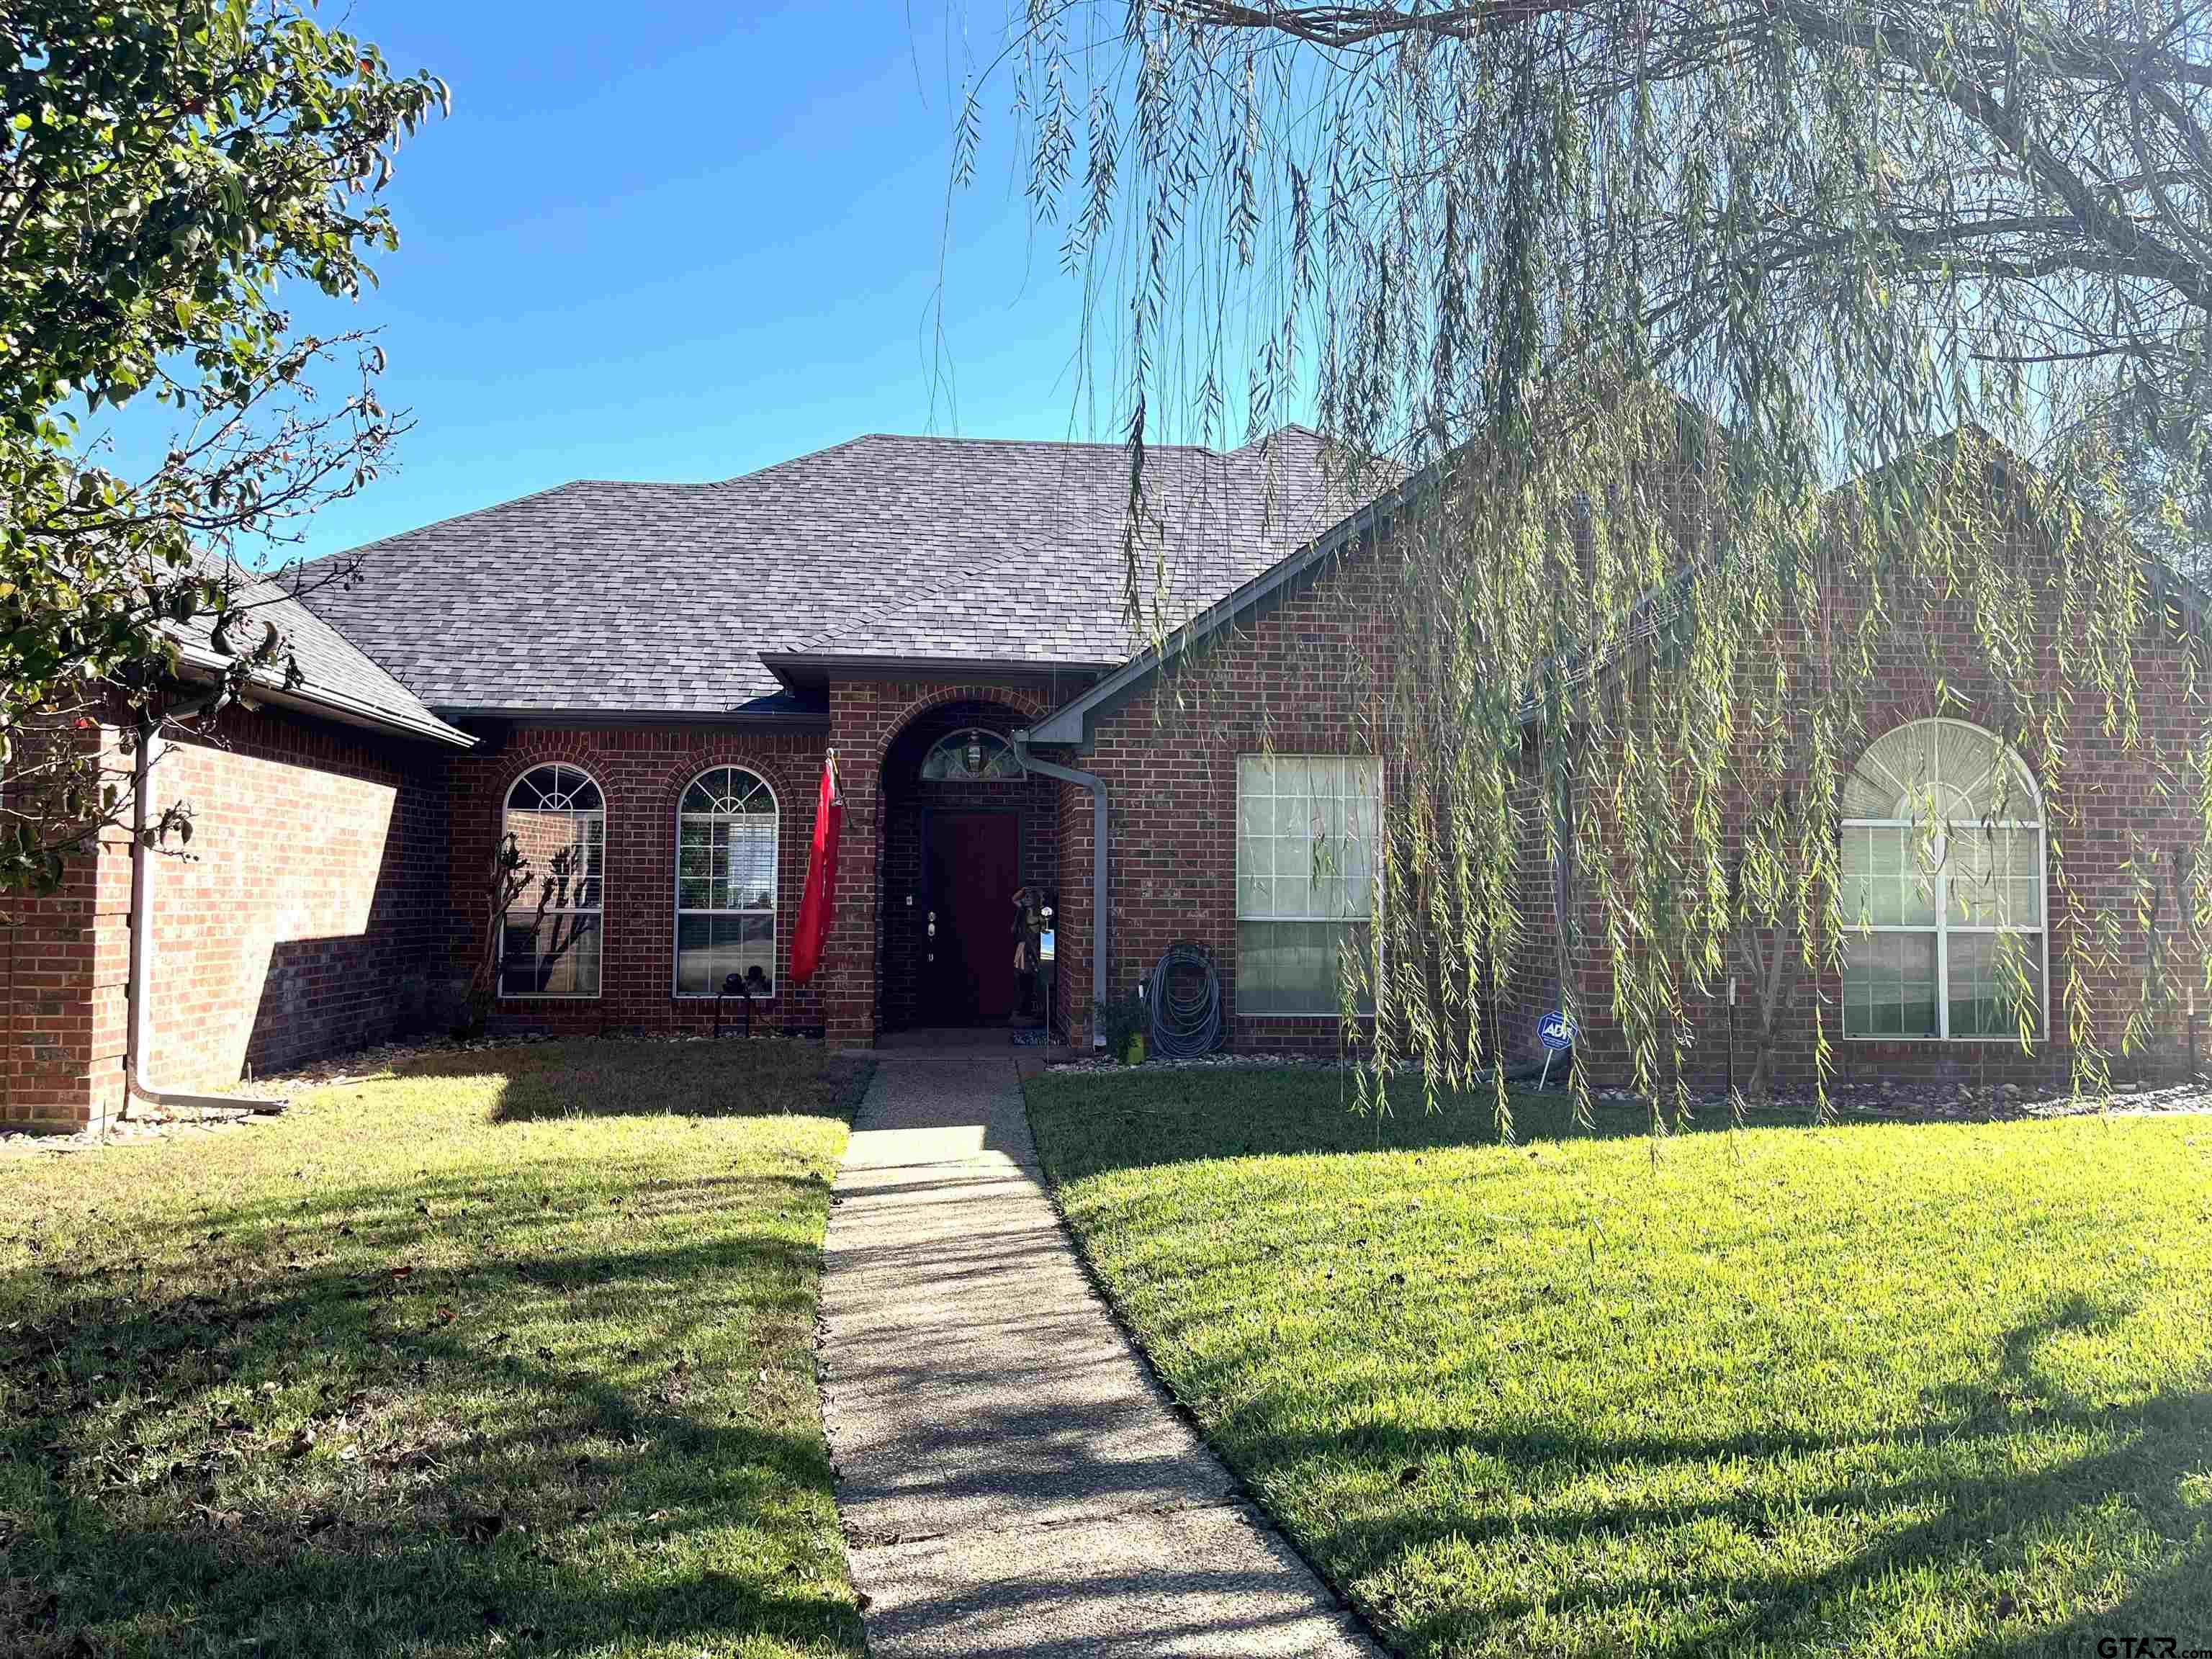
<point>966,831</point>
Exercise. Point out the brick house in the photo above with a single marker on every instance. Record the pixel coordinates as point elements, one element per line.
<point>642,682</point>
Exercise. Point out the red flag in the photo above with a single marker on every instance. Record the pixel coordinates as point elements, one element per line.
<point>819,903</point>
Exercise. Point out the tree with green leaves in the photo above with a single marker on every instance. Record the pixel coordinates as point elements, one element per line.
<point>169,173</point>
<point>1663,319</point>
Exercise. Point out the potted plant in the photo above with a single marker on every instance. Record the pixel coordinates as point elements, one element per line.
<point>1125,1023</point>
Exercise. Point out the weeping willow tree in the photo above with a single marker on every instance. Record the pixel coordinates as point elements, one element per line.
<point>1722,363</point>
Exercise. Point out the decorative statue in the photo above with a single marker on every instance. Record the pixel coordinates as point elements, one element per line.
<point>1031,905</point>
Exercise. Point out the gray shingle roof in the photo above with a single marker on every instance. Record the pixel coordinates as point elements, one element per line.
<point>334,673</point>
<point>637,596</point>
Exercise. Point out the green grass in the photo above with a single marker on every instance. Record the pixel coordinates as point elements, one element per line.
<point>1884,1390</point>
<point>510,1353</point>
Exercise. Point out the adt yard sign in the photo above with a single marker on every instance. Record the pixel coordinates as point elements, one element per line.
<point>1558,1032</point>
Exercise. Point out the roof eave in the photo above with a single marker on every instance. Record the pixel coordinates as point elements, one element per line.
<point>324,704</point>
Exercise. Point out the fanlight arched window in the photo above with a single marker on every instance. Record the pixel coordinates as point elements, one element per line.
<point>726,848</point>
<point>549,944</point>
<point>974,756</point>
<point>1943,888</point>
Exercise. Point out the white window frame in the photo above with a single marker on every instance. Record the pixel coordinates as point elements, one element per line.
<point>772,910</point>
<point>1943,927</point>
<point>1237,876</point>
<point>599,911</point>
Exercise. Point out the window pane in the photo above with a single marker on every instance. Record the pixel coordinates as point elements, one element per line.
<point>1967,761</point>
<point>1889,985</point>
<point>1884,885</point>
<point>1995,979</point>
<point>1256,855</point>
<point>555,789</point>
<point>566,852</point>
<point>1305,827</point>
<point>746,860</point>
<point>709,949</point>
<point>591,856</point>
<point>550,955</point>
<point>1290,967</point>
<point>1994,879</point>
<point>1255,809</point>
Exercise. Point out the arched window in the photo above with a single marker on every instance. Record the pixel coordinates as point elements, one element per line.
<point>726,845</point>
<point>1943,888</point>
<point>550,945</point>
<point>974,756</point>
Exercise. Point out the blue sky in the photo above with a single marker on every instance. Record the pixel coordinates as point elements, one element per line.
<point>682,242</point>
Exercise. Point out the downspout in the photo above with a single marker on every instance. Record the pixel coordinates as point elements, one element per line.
<point>137,1084</point>
<point>1096,786</point>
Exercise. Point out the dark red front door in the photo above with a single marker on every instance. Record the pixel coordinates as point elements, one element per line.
<point>971,865</point>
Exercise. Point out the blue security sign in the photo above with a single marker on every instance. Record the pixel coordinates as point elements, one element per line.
<point>1557,1031</point>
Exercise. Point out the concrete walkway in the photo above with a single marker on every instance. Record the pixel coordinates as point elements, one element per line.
<point>1012,1481</point>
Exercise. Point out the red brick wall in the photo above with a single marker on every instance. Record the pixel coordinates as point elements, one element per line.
<point>308,913</point>
<point>642,772</point>
<point>63,965</point>
<point>1288,681</point>
<point>303,917</point>
<point>2117,807</point>
<point>1072,993</point>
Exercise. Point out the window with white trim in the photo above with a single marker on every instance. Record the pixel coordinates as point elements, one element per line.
<point>1942,888</point>
<point>1306,828</point>
<point>726,847</point>
<point>550,941</point>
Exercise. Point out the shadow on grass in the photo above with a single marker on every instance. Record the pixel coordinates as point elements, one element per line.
<point>333,1432</point>
<point>1593,1528</point>
<point>1971,1513</point>
<point>612,1078</point>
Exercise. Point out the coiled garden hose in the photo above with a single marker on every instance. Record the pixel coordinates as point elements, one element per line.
<point>1186,999</point>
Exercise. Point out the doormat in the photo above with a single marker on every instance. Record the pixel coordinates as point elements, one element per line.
<point>1035,1038</point>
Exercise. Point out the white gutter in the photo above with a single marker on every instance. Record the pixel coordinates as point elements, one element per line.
<point>138,1083</point>
<point>328,704</point>
<point>1096,786</point>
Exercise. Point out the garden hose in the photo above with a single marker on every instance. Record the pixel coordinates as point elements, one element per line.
<point>1186,1006</point>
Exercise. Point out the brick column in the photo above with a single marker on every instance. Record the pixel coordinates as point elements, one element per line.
<point>858,713</point>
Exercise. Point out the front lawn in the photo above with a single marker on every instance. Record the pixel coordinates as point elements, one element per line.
<point>1877,1390</point>
<point>510,1353</point>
